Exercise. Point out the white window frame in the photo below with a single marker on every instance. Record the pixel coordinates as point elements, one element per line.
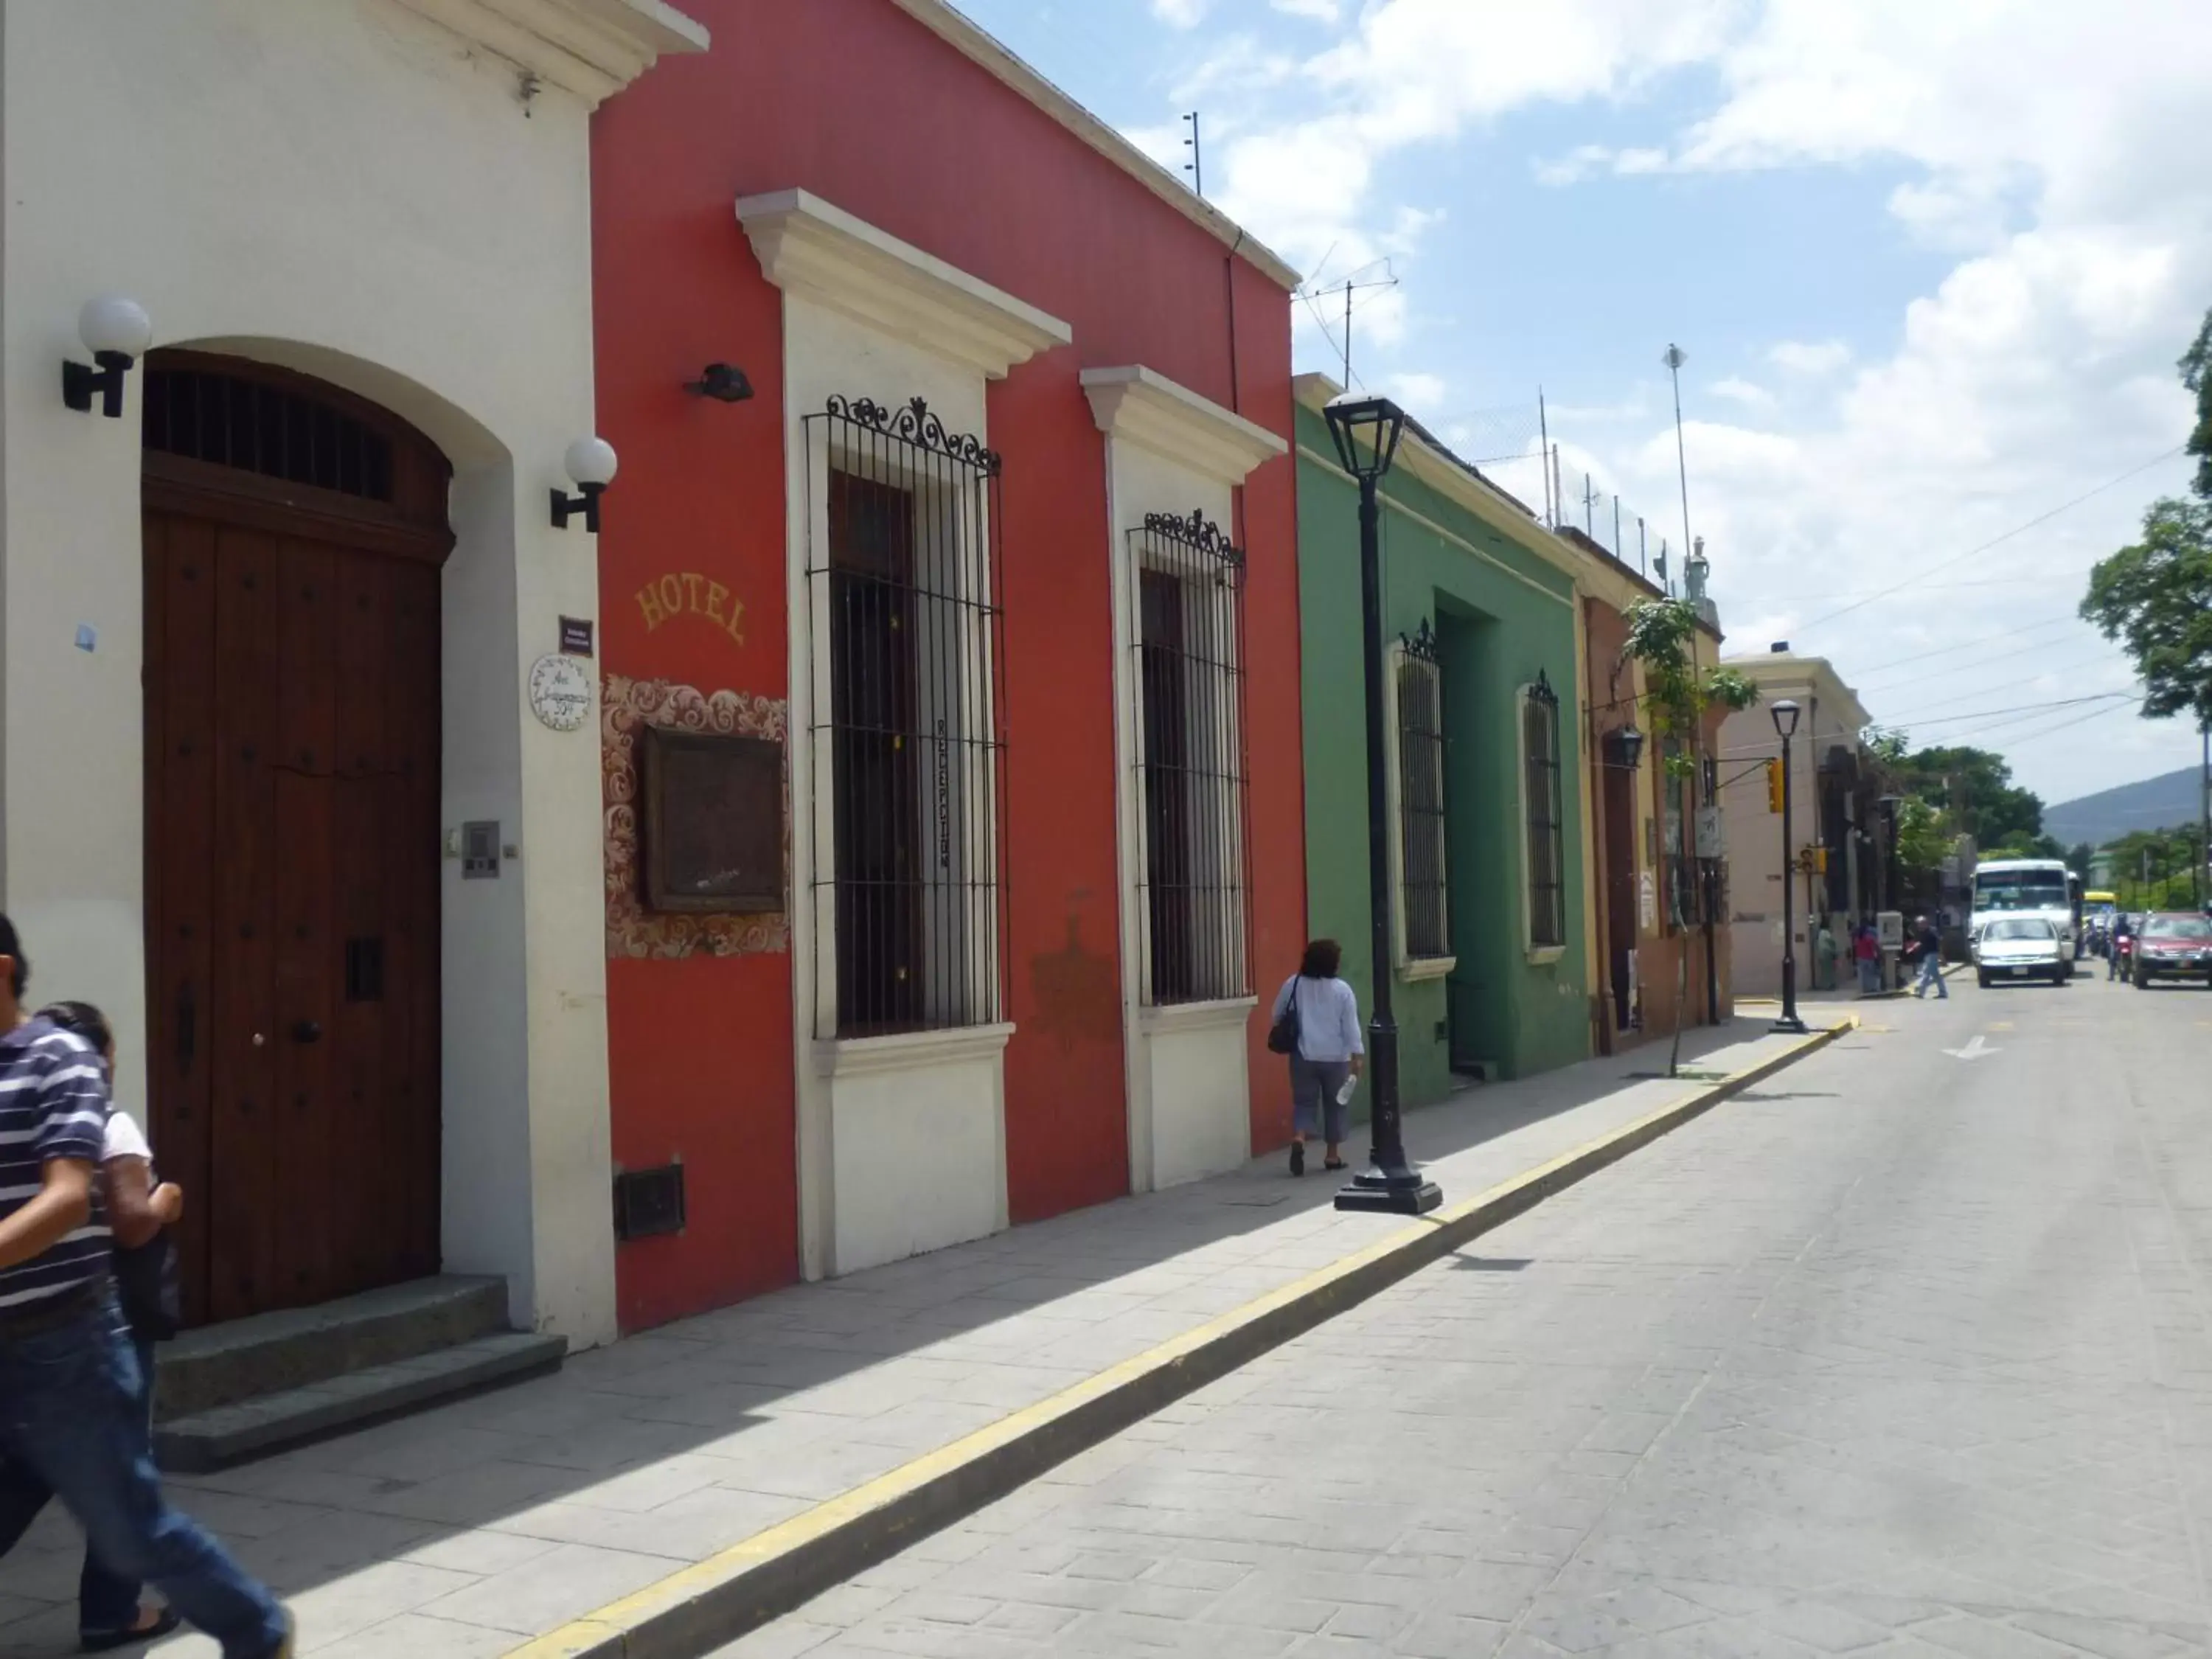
<point>1408,966</point>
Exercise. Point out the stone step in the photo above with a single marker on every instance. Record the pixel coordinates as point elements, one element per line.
<point>220,1365</point>
<point>245,1430</point>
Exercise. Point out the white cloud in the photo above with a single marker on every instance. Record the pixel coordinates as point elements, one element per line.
<point>1180,13</point>
<point>1420,393</point>
<point>1747,393</point>
<point>2036,142</point>
<point>1809,357</point>
<point>1319,11</point>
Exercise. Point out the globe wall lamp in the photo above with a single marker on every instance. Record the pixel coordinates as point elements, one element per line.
<point>117,332</point>
<point>591,463</point>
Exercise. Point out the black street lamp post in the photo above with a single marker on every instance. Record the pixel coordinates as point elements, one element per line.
<point>1367,431</point>
<point>1785,722</point>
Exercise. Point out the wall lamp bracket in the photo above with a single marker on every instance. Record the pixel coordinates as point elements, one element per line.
<point>117,332</point>
<point>725,383</point>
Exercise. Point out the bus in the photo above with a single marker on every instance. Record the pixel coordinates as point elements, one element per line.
<point>2030,887</point>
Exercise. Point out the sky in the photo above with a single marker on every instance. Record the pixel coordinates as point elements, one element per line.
<point>1931,263</point>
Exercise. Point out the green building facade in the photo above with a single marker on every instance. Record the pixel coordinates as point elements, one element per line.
<point>1484,753</point>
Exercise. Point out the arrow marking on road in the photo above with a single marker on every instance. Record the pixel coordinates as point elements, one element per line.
<point>1977,1049</point>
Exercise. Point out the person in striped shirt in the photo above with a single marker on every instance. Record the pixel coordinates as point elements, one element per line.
<point>72,1397</point>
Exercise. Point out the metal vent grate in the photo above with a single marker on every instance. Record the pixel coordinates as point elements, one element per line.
<point>228,422</point>
<point>649,1203</point>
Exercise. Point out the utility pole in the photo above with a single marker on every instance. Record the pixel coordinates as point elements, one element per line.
<point>1196,166</point>
<point>1674,359</point>
<point>2204,814</point>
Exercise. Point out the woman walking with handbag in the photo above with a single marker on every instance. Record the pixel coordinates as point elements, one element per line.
<point>1316,1024</point>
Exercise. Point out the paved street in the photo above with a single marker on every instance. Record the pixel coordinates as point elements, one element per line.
<point>1900,1354</point>
<point>466,1529</point>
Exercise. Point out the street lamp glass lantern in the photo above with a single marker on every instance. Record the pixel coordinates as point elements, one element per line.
<point>1785,718</point>
<point>1366,431</point>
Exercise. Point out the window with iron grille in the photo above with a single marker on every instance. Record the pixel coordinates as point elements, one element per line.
<point>906,736</point>
<point>1541,798</point>
<point>1419,688</point>
<point>1191,775</point>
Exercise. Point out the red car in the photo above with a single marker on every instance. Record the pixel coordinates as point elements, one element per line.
<point>2172,945</point>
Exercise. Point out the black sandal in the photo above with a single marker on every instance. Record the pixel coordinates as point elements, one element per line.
<point>1336,1163</point>
<point>106,1641</point>
<point>1297,1158</point>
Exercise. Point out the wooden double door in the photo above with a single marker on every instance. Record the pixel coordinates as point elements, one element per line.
<point>293,805</point>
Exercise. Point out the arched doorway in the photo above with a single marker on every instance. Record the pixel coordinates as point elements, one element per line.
<point>294,538</point>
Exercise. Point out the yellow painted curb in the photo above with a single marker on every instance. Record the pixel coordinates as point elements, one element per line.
<point>739,1588</point>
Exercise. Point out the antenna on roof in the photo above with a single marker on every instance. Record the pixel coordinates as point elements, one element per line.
<point>1351,288</point>
<point>1196,166</point>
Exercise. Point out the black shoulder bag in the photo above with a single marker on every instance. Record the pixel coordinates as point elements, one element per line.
<point>1283,1035</point>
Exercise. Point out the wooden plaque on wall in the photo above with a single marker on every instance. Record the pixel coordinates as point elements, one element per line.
<point>713,840</point>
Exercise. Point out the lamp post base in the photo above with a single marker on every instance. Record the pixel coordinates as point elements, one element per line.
<point>1790,1026</point>
<point>1377,1191</point>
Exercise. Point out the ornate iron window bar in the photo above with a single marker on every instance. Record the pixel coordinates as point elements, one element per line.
<point>1547,852</point>
<point>230,421</point>
<point>905,622</point>
<point>1191,760</point>
<point>1421,795</point>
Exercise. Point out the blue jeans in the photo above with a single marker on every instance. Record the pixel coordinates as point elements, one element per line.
<point>1931,973</point>
<point>73,1423</point>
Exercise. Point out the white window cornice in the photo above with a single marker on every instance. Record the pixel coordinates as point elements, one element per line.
<point>1134,403</point>
<point>592,48</point>
<point>810,247</point>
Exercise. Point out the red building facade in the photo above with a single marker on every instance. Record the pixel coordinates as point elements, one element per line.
<point>995,571</point>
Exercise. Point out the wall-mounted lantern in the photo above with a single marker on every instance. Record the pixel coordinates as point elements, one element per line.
<point>116,332</point>
<point>591,463</point>
<point>725,383</point>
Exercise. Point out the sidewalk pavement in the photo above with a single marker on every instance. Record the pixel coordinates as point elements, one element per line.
<point>470,1529</point>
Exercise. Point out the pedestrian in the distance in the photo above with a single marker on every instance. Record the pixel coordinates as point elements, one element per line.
<point>1866,951</point>
<point>2123,930</point>
<point>110,1613</point>
<point>1328,1053</point>
<point>1930,945</point>
<point>72,1399</point>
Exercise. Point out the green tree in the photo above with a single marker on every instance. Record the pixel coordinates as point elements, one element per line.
<point>2079,857</point>
<point>1974,786</point>
<point>2196,375</point>
<point>1922,839</point>
<point>2155,599</point>
<point>1662,636</point>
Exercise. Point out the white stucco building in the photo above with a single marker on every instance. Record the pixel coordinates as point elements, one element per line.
<point>1824,815</point>
<point>360,230</point>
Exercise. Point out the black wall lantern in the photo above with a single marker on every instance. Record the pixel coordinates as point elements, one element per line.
<point>591,463</point>
<point>1628,744</point>
<point>116,332</point>
<point>724,382</point>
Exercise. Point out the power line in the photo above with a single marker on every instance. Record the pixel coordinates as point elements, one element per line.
<point>1943,653</point>
<point>2064,663</point>
<point>1997,541</point>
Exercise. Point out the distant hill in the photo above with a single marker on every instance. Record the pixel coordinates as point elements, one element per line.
<point>2157,803</point>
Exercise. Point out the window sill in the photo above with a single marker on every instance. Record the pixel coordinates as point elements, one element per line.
<point>909,1050</point>
<point>1412,972</point>
<point>1196,1016</point>
<point>1543,955</point>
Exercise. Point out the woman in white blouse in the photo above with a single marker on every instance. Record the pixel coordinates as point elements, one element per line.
<point>1329,1052</point>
